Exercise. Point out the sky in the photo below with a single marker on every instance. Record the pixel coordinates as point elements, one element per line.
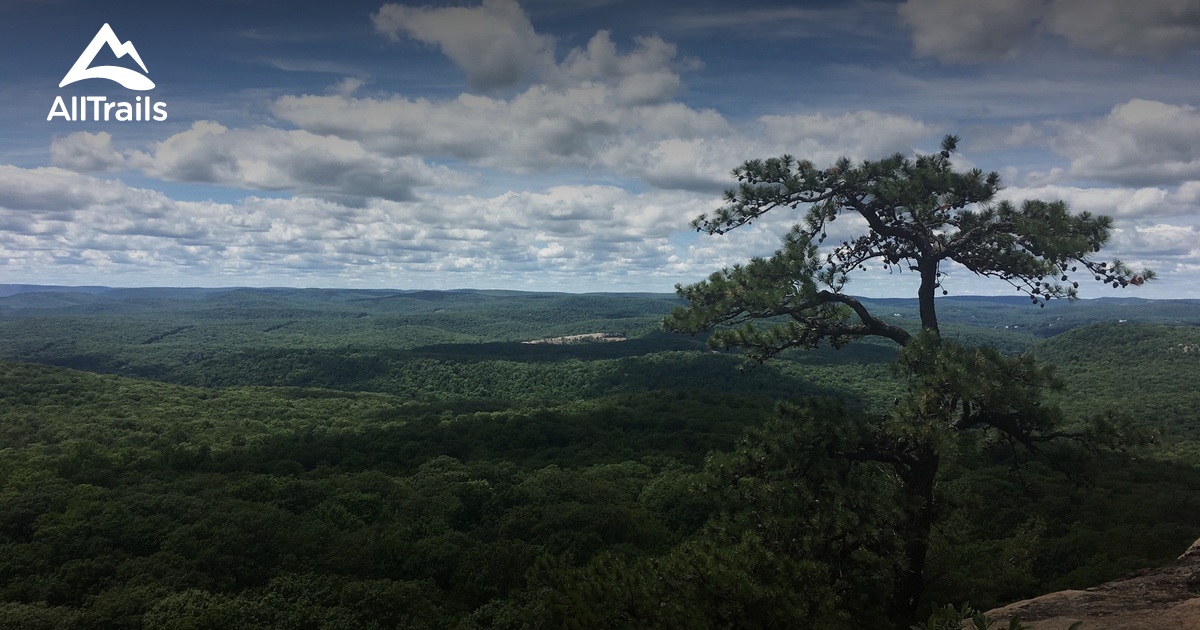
<point>565,145</point>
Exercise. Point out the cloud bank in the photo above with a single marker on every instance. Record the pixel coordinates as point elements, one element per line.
<point>985,30</point>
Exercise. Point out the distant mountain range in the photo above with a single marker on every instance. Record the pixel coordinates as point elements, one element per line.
<point>8,290</point>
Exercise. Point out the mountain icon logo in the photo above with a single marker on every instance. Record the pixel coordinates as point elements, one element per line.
<point>128,78</point>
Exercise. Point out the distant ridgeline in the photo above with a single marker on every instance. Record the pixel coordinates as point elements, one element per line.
<point>59,325</point>
<point>510,345</point>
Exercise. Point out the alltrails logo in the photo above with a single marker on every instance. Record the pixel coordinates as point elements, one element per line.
<point>99,107</point>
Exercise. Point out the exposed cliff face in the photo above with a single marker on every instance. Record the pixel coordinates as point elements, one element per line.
<point>1155,599</point>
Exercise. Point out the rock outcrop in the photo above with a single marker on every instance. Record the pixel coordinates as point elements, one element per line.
<point>1154,599</point>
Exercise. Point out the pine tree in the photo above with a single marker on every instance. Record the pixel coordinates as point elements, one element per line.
<point>921,216</point>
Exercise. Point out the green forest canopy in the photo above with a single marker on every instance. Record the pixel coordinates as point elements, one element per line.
<point>505,484</point>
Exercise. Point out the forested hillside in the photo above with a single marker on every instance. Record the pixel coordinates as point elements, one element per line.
<point>355,459</point>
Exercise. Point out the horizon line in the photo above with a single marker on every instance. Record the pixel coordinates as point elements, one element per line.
<point>476,289</point>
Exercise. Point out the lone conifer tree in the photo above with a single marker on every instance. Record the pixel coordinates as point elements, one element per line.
<point>920,216</point>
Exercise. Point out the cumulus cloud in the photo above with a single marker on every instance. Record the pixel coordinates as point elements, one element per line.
<point>668,145</point>
<point>63,211</point>
<point>969,30</point>
<point>1160,241</point>
<point>861,134</point>
<point>983,30</point>
<point>55,192</point>
<point>1117,202</point>
<point>1148,27</point>
<point>52,218</point>
<point>1188,193</point>
<point>703,162</point>
<point>540,128</point>
<point>699,164</point>
<point>291,160</point>
<point>599,108</point>
<point>497,46</point>
<point>347,86</point>
<point>1139,142</point>
<point>86,152</point>
<point>494,43</point>
<point>571,236</point>
<point>644,75</point>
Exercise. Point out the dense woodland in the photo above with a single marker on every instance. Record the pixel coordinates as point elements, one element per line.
<point>256,458</point>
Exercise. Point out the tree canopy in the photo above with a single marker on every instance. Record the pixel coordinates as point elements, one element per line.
<point>919,214</point>
<point>916,215</point>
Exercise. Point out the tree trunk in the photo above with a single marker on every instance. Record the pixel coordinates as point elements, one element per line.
<point>925,296</point>
<point>909,582</point>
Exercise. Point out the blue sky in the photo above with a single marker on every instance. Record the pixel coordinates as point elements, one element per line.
<point>550,145</point>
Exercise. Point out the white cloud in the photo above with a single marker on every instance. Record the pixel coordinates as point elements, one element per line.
<point>86,152</point>
<point>1138,142</point>
<point>704,162</point>
<point>296,161</point>
<point>860,135</point>
<point>348,86</point>
<point>54,220</point>
<point>987,138</point>
<point>494,43</point>
<point>969,30</point>
<point>686,164</point>
<point>575,237</point>
<point>55,192</point>
<point>669,145</point>
<point>984,30</point>
<point>1161,241</point>
<point>1119,27</point>
<point>1188,193</point>
<point>644,75</point>
<point>599,109</point>
<point>540,128</point>
<point>1115,202</point>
